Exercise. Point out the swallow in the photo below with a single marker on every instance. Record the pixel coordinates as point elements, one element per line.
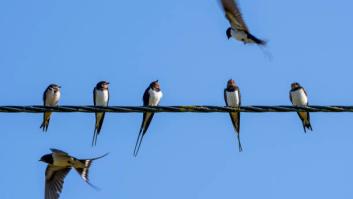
<point>100,98</point>
<point>51,97</point>
<point>232,98</point>
<point>151,97</point>
<point>299,97</point>
<point>59,165</point>
<point>238,29</point>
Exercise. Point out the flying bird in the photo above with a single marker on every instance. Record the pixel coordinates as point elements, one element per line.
<point>238,29</point>
<point>51,97</point>
<point>151,97</point>
<point>59,165</point>
<point>100,98</point>
<point>233,99</point>
<point>299,97</point>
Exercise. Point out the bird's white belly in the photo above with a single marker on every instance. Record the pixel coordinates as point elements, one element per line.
<point>102,98</point>
<point>299,98</point>
<point>155,97</point>
<point>233,98</point>
<point>52,99</point>
<point>242,36</point>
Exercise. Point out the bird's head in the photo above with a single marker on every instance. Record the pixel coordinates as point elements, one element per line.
<point>295,85</point>
<point>48,158</point>
<point>54,87</point>
<point>102,85</point>
<point>231,83</point>
<point>155,86</point>
<point>229,32</point>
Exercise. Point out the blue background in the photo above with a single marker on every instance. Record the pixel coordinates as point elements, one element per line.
<point>182,44</point>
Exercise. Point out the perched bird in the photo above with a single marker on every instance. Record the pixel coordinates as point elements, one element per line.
<point>233,99</point>
<point>51,97</point>
<point>151,97</point>
<point>59,165</point>
<point>100,98</point>
<point>238,29</point>
<point>298,97</point>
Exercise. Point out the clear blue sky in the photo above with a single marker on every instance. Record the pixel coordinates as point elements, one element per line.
<point>182,44</point>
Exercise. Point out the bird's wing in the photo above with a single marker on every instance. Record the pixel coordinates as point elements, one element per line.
<point>45,96</point>
<point>147,118</point>
<point>239,97</point>
<point>233,14</point>
<point>146,97</point>
<point>54,181</point>
<point>94,96</point>
<point>225,96</point>
<point>99,121</point>
<point>59,151</point>
<point>46,115</point>
<point>290,97</point>
<point>307,115</point>
<point>146,121</point>
<point>59,154</point>
<point>235,116</point>
<point>238,113</point>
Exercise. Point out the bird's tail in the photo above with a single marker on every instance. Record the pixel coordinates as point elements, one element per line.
<point>307,125</point>
<point>304,127</point>
<point>45,123</point>
<point>83,168</point>
<point>257,40</point>
<point>97,127</point>
<point>94,140</point>
<point>266,52</point>
<point>138,142</point>
<point>261,43</point>
<point>239,143</point>
<point>96,132</point>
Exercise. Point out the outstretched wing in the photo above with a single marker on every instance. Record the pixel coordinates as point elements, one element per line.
<point>59,151</point>
<point>54,181</point>
<point>233,14</point>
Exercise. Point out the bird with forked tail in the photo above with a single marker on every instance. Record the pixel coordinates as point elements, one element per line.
<point>100,98</point>
<point>59,165</point>
<point>299,97</point>
<point>151,97</point>
<point>238,28</point>
<point>51,97</point>
<point>232,98</point>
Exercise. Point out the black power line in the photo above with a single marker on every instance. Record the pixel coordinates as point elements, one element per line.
<point>172,109</point>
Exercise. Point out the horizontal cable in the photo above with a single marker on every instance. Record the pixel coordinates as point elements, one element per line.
<point>172,109</point>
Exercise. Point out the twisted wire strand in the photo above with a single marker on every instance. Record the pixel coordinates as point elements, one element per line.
<point>172,109</point>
